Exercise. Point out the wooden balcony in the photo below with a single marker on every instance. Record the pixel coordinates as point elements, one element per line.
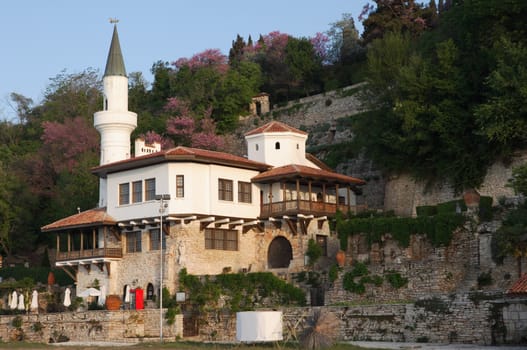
<point>316,208</point>
<point>97,253</point>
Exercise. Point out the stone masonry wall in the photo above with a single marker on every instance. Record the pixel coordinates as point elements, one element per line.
<point>459,319</point>
<point>403,194</point>
<point>463,319</point>
<point>122,326</point>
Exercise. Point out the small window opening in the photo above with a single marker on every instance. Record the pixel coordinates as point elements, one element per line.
<point>277,145</point>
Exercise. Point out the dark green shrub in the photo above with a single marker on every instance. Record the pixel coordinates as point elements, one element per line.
<point>484,279</point>
<point>426,210</point>
<point>485,208</point>
<point>333,273</point>
<point>348,283</point>
<point>396,280</point>
<point>451,207</point>
<point>314,251</point>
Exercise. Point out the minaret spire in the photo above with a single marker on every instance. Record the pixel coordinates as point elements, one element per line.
<point>115,61</point>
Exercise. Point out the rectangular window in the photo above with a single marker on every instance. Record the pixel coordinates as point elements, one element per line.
<point>221,239</point>
<point>180,186</point>
<point>244,192</point>
<point>225,190</point>
<point>133,242</point>
<point>137,191</point>
<point>322,241</point>
<point>124,194</point>
<point>150,189</point>
<point>154,240</point>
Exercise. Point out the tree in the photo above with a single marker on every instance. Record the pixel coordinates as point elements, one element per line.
<point>70,95</point>
<point>344,41</point>
<point>502,118</point>
<point>270,55</point>
<point>303,64</point>
<point>400,16</point>
<point>237,51</point>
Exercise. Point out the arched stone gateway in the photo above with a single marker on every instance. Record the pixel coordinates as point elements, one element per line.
<point>280,253</point>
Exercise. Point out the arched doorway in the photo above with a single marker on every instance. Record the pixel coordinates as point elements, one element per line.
<point>150,291</point>
<point>280,253</point>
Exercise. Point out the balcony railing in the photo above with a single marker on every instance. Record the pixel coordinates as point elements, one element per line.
<point>307,207</point>
<point>96,253</point>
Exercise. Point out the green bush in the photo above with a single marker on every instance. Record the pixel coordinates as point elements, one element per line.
<point>451,207</point>
<point>426,210</point>
<point>485,208</point>
<point>333,273</point>
<point>241,291</point>
<point>485,279</point>
<point>396,280</point>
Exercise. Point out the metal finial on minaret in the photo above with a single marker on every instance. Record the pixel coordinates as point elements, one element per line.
<point>113,20</point>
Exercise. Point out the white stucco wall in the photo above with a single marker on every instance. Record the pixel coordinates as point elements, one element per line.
<point>201,191</point>
<point>261,148</point>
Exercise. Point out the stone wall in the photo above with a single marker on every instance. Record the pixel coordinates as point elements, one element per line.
<point>403,193</point>
<point>120,326</point>
<point>461,319</point>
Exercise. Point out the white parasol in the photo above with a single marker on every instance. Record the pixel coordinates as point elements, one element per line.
<point>67,297</point>
<point>127,294</point>
<point>102,297</point>
<point>14,300</point>
<point>21,305</point>
<point>34,301</point>
<point>90,292</point>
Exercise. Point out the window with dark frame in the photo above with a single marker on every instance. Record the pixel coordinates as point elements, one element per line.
<point>244,192</point>
<point>225,190</point>
<point>124,193</point>
<point>150,189</point>
<point>133,242</point>
<point>154,239</point>
<point>180,186</point>
<point>137,191</point>
<point>221,239</point>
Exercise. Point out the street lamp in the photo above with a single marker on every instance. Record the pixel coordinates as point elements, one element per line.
<point>162,207</point>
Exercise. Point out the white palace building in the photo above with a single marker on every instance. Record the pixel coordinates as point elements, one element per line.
<point>210,212</point>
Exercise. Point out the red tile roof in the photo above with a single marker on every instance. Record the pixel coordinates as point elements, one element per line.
<point>92,217</point>
<point>301,171</point>
<point>181,153</point>
<point>275,126</point>
<point>520,286</point>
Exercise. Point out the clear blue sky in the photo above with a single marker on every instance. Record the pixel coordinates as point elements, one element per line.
<point>42,38</point>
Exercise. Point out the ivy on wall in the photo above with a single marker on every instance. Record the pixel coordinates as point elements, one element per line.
<point>438,228</point>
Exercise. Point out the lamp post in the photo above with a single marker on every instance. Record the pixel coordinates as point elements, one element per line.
<point>162,206</point>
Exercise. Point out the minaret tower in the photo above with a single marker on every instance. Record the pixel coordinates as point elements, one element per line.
<point>115,123</point>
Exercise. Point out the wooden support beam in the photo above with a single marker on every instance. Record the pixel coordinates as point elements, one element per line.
<point>100,265</point>
<point>205,222</point>
<point>292,224</point>
<point>220,222</point>
<point>276,222</point>
<point>233,224</point>
<point>72,274</point>
<point>87,267</point>
<point>115,233</point>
